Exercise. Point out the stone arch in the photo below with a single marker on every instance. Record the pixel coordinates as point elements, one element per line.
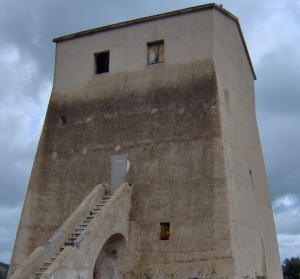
<point>110,260</point>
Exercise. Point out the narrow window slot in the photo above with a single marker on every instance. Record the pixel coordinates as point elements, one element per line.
<point>63,120</point>
<point>164,231</point>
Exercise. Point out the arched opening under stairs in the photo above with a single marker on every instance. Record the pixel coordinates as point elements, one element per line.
<point>110,259</point>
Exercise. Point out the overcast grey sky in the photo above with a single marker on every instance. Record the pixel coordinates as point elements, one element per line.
<point>272,32</point>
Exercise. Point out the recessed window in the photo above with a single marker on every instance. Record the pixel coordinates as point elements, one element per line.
<point>164,231</point>
<point>102,62</point>
<point>156,52</point>
<point>63,120</point>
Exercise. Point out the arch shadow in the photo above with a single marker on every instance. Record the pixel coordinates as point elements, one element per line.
<point>110,260</point>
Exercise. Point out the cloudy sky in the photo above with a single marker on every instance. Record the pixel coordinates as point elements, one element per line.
<point>27,27</point>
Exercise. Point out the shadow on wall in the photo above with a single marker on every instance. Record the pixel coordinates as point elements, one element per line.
<point>110,258</point>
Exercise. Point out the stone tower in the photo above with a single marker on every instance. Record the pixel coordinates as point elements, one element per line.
<point>161,112</point>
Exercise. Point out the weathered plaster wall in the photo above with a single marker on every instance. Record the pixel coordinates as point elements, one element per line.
<point>75,65</point>
<point>171,136</point>
<point>168,119</point>
<point>252,225</point>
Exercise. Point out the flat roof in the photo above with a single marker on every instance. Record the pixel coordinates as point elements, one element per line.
<point>159,16</point>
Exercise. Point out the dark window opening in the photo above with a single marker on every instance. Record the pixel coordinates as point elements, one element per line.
<point>102,62</point>
<point>164,231</point>
<point>63,120</point>
<point>156,52</point>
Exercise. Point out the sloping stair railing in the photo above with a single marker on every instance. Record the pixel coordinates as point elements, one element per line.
<point>46,260</point>
<point>76,236</point>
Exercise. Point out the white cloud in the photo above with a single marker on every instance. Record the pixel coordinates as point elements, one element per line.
<point>287,219</point>
<point>289,245</point>
<point>286,201</point>
<point>278,27</point>
<point>9,221</point>
<point>18,74</point>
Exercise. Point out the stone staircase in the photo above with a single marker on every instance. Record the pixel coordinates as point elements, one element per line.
<point>71,252</point>
<point>76,236</point>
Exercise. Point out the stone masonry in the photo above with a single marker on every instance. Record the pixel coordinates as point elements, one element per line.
<point>166,103</point>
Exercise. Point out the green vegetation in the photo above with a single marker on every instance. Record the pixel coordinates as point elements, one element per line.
<point>3,270</point>
<point>291,268</point>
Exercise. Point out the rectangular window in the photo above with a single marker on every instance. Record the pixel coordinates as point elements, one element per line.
<point>164,231</point>
<point>156,52</point>
<point>102,62</point>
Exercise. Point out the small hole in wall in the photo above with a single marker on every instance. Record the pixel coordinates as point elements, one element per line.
<point>63,120</point>
<point>164,231</point>
<point>251,178</point>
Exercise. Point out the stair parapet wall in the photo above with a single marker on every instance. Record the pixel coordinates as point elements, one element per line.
<point>32,264</point>
<point>40,255</point>
<point>79,261</point>
<point>62,234</point>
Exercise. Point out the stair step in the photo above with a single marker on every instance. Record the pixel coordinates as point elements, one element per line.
<point>95,213</point>
<point>43,269</point>
<point>90,217</point>
<point>72,237</point>
<point>76,233</point>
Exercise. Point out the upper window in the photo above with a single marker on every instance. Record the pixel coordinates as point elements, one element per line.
<point>102,62</point>
<point>156,52</point>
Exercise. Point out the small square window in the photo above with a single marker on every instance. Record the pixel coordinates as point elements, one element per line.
<point>164,231</point>
<point>156,52</point>
<point>102,62</point>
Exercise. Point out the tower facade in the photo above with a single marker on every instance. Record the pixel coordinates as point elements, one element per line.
<point>167,104</point>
